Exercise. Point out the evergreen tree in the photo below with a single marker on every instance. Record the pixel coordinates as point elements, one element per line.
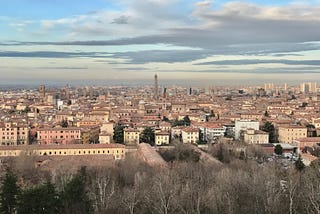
<point>9,193</point>
<point>165,119</point>
<point>64,123</point>
<point>186,120</point>
<point>118,135</point>
<point>74,197</point>
<point>269,127</point>
<point>278,149</point>
<point>299,164</point>
<point>42,199</point>
<point>147,136</point>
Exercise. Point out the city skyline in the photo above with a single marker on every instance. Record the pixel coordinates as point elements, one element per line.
<point>182,41</point>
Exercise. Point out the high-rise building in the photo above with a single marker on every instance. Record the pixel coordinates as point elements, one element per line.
<point>42,90</point>
<point>268,86</point>
<point>308,87</point>
<point>156,89</point>
<point>67,92</point>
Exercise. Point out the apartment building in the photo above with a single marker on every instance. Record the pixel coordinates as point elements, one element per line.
<point>59,135</point>
<point>162,138</point>
<point>242,125</point>
<point>14,133</point>
<point>287,134</point>
<point>131,136</point>
<point>190,135</point>
<point>104,138</point>
<point>210,131</point>
<point>256,137</point>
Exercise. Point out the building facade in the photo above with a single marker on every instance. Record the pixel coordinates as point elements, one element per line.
<point>131,136</point>
<point>287,134</point>
<point>256,137</point>
<point>116,150</point>
<point>162,138</point>
<point>190,135</point>
<point>59,136</point>
<point>242,125</point>
<point>13,134</point>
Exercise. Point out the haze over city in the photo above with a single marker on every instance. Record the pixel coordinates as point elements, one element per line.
<point>183,41</point>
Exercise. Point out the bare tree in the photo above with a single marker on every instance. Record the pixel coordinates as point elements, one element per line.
<point>102,189</point>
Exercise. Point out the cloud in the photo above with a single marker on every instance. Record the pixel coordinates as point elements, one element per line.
<point>50,54</point>
<point>120,20</point>
<point>260,61</point>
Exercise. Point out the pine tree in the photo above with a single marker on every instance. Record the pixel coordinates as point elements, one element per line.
<point>278,149</point>
<point>74,197</point>
<point>9,193</point>
<point>147,136</point>
<point>186,121</point>
<point>42,199</point>
<point>118,135</point>
<point>269,127</point>
<point>299,164</point>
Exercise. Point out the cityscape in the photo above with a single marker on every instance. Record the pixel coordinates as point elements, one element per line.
<point>158,106</point>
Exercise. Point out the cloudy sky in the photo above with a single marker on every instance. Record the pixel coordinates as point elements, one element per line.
<point>43,41</point>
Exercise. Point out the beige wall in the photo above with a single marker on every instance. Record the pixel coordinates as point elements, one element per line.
<point>190,137</point>
<point>11,134</point>
<point>104,139</point>
<point>162,139</point>
<point>289,134</point>
<point>131,136</point>
<point>256,138</point>
<point>118,153</point>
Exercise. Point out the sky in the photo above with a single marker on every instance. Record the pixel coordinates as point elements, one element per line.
<point>114,41</point>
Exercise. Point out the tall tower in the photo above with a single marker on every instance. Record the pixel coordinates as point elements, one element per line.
<point>156,89</point>
<point>42,90</point>
<point>67,92</point>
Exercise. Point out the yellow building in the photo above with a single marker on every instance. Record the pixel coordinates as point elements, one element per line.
<point>116,150</point>
<point>104,138</point>
<point>256,137</point>
<point>162,138</point>
<point>287,134</point>
<point>131,136</point>
<point>190,135</point>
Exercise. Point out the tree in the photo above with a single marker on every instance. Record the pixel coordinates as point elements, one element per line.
<point>211,115</point>
<point>40,199</point>
<point>269,127</point>
<point>118,134</point>
<point>64,123</point>
<point>299,164</point>
<point>147,136</point>
<point>278,149</point>
<point>186,120</point>
<point>74,197</point>
<point>26,109</point>
<point>165,119</point>
<point>102,189</point>
<point>9,193</point>
<point>304,104</point>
